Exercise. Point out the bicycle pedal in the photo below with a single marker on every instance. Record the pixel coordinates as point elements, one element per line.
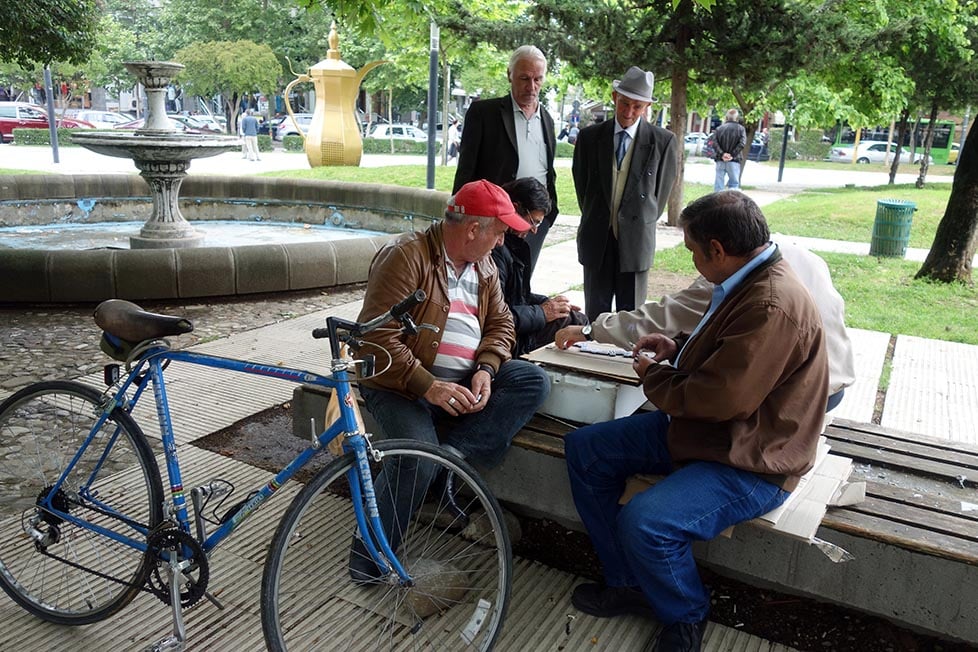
<point>169,644</point>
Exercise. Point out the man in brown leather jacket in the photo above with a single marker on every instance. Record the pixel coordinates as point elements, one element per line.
<point>454,384</point>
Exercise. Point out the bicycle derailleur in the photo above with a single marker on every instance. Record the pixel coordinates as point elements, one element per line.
<point>162,543</point>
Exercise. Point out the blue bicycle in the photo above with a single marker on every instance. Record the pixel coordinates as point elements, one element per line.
<point>86,525</point>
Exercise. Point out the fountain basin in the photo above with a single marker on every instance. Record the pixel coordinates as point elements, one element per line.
<point>60,276</point>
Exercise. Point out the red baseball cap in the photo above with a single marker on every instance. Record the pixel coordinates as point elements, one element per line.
<point>484,199</point>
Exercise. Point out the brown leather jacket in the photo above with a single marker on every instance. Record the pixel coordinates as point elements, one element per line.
<point>417,261</point>
<point>751,388</point>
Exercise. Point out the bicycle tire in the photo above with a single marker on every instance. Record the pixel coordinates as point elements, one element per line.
<point>41,428</point>
<point>309,601</point>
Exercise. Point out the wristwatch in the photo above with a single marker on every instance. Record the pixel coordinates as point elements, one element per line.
<point>586,332</point>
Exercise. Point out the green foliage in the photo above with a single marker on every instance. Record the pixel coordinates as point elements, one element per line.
<point>808,146</point>
<point>265,143</point>
<point>383,146</point>
<point>43,136</point>
<point>564,150</point>
<point>42,31</point>
<point>293,144</point>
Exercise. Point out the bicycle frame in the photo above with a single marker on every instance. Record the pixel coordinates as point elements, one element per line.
<point>149,371</point>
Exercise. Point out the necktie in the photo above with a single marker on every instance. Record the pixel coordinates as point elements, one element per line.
<point>620,152</point>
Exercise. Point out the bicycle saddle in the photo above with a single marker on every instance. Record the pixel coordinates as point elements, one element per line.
<point>132,324</point>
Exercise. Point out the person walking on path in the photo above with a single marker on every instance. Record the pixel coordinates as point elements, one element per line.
<point>728,142</point>
<point>512,137</point>
<point>249,130</point>
<point>624,170</point>
<point>741,403</point>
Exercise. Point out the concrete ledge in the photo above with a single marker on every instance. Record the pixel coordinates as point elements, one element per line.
<point>39,276</point>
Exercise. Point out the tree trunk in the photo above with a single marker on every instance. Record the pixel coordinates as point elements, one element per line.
<point>954,245</point>
<point>928,141</point>
<point>680,82</point>
<point>901,136</point>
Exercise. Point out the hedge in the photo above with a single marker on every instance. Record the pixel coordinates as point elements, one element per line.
<point>293,144</point>
<point>43,136</point>
<point>383,146</point>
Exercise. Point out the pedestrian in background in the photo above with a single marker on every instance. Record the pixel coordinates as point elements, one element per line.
<point>512,137</point>
<point>728,142</point>
<point>249,130</point>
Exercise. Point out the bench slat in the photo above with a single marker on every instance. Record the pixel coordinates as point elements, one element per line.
<point>884,530</point>
<point>920,518</point>
<point>900,435</point>
<point>922,450</point>
<point>947,472</point>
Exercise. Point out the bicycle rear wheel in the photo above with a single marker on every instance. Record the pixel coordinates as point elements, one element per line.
<point>55,569</point>
<point>462,575</point>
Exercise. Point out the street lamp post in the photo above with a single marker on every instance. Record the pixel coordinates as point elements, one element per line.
<point>784,137</point>
<point>432,101</point>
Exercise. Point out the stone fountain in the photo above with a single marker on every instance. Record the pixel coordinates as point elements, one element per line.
<point>162,156</point>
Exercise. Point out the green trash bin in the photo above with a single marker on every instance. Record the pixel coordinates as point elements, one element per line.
<point>891,230</point>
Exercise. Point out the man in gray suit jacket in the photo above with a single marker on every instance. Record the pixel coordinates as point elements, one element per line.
<point>624,170</point>
<point>493,148</point>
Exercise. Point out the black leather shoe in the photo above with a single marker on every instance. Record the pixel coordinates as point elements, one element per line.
<point>681,637</point>
<point>606,601</point>
<point>363,570</point>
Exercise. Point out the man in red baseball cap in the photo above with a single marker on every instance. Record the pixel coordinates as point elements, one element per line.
<point>456,384</point>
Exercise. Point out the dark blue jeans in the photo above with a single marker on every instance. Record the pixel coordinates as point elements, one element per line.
<point>648,542</point>
<point>482,437</point>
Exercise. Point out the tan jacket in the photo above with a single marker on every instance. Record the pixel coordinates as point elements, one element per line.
<point>417,261</point>
<point>750,389</point>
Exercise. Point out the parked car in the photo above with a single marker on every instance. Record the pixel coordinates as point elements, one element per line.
<point>758,149</point>
<point>952,156</point>
<point>288,125</point>
<point>694,143</point>
<point>175,124</point>
<point>271,126</point>
<point>871,152</point>
<point>193,125</point>
<point>214,123</point>
<point>101,119</point>
<point>21,115</point>
<point>399,132</point>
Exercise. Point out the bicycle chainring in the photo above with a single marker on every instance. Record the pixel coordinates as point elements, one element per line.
<point>168,539</point>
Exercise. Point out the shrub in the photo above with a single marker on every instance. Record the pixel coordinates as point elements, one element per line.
<point>293,144</point>
<point>383,146</point>
<point>43,136</point>
<point>264,143</point>
<point>564,150</point>
<point>808,146</point>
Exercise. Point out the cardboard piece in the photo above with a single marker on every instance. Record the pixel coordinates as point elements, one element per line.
<point>607,366</point>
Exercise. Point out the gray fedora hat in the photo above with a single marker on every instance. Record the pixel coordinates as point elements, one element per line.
<point>636,84</point>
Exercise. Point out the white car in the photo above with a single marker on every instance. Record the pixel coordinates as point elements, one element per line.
<point>288,127</point>
<point>399,132</point>
<point>694,142</point>
<point>872,152</point>
<point>102,119</point>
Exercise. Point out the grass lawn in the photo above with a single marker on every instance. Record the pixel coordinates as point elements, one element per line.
<point>882,295</point>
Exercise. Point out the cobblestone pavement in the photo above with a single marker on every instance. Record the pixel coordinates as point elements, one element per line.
<point>61,342</point>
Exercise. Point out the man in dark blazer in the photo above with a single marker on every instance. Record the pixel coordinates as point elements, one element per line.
<point>512,137</point>
<point>623,184</point>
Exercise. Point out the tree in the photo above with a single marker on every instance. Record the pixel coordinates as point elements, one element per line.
<point>43,31</point>
<point>231,69</point>
<point>953,249</point>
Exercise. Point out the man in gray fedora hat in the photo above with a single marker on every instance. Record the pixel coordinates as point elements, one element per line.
<point>624,170</point>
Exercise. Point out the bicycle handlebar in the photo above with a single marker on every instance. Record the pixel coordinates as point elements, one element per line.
<point>398,311</point>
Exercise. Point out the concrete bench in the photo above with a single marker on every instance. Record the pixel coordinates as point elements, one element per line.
<point>914,539</point>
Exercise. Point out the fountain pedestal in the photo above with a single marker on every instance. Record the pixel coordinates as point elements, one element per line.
<point>162,156</point>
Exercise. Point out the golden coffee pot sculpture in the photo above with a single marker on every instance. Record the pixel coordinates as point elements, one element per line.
<point>334,134</point>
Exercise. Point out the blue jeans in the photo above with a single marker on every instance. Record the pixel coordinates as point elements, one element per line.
<point>648,542</point>
<point>481,437</point>
<point>730,169</point>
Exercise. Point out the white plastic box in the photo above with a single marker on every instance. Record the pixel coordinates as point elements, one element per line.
<point>588,399</point>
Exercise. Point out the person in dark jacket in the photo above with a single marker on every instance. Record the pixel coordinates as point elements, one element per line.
<point>728,142</point>
<point>537,317</point>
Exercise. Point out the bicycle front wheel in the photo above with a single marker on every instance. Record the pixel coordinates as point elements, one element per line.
<point>57,569</point>
<point>456,551</point>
